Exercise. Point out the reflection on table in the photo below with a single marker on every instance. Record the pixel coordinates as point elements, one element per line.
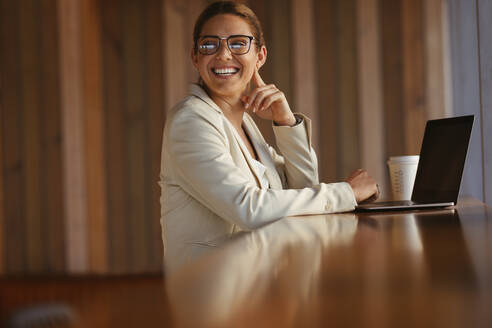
<point>420,268</point>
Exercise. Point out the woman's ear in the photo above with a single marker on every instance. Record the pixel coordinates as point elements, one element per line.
<point>262,56</point>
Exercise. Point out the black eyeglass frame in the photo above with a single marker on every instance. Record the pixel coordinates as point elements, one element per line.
<point>251,39</point>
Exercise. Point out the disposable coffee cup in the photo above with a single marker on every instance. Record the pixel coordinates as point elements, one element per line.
<point>402,170</point>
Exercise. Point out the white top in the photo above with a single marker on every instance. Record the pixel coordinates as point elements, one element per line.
<point>261,169</point>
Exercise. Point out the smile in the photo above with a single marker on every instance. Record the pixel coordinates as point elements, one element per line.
<point>226,71</point>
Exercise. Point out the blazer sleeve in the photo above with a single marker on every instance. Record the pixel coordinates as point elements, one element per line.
<point>299,160</point>
<point>203,167</point>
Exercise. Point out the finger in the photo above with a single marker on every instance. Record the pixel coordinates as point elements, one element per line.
<point>372,198</point>
<point>265,94</point>
<point>360,173</point>
<point>254,94</point>
<point>251,97</point>
<point>278,95</point>
<point>260,97</point>
<point>257,79</point>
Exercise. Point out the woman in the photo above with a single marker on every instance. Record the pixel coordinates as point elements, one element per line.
<point>218,175</point>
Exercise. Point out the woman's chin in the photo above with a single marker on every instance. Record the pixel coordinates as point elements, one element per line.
<point>228,89</point>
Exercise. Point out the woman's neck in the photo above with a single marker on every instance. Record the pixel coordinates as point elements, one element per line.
<point>232,107</point>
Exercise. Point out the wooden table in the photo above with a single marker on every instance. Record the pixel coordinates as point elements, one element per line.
<point>405,269</point>
<point>393,269</point>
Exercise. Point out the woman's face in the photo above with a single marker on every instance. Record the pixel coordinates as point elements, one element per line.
<point>240,68</point>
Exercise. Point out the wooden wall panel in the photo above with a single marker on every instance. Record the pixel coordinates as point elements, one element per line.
<point>370,88</point>
<point>133,65</point>
<point>31,129</point>
<point>325,15</point>
<point>115,135</point>
<point>94,134</point>
<point>414,101</point>
<point>192,10</point>
<point>176,53</point>
<point>13,212</point>
<point>74,160</point>
<point>135,106</point>
<point>2,206</point>
<point>279,43</point>
<point>303,63</point>
<point>392,77</point>
<point>155,123</point>
<point>434,58</point>
<point>31,138</point>
<point>8,69</point>
<point>51,159</point>
<point>446,58</point>
<point>348,158</point>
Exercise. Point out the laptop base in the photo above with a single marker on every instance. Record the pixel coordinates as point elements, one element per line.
<point>400,205</point>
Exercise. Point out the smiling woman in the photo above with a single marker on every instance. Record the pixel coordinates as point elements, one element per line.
<point>218,175</point>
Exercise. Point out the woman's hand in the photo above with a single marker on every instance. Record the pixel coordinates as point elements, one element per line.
<point>268,102</point>
<point>363,185</point>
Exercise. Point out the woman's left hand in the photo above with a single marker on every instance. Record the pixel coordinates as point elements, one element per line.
<point>268,102</point>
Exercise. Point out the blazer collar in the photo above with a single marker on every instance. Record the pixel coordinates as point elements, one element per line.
<point>197,91</point>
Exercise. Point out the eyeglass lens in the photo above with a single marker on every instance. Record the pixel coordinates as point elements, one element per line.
<point>238,45</point>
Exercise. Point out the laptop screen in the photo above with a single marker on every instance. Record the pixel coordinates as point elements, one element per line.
<point>442,159</point>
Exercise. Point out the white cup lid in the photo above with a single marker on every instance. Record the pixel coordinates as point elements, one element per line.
<point>410,158</point>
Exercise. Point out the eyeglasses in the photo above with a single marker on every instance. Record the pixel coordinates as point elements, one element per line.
<point>237,44</point>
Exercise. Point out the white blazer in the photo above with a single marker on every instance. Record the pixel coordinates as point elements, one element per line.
<point>211,187</point>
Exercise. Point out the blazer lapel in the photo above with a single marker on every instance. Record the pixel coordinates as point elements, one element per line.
<point>197,91</point>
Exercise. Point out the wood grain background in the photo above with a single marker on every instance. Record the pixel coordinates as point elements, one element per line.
<point>85,86</point>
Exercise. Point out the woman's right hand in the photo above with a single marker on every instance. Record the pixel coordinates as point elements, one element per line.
<point>268,102</point>
<point>363,185</point>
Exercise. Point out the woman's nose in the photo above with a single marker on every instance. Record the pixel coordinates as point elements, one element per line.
<point>224,52</point>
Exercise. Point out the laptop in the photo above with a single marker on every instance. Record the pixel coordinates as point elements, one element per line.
<point>440,168</point>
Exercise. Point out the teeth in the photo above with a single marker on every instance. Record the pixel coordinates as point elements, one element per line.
<point>225,70</point>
